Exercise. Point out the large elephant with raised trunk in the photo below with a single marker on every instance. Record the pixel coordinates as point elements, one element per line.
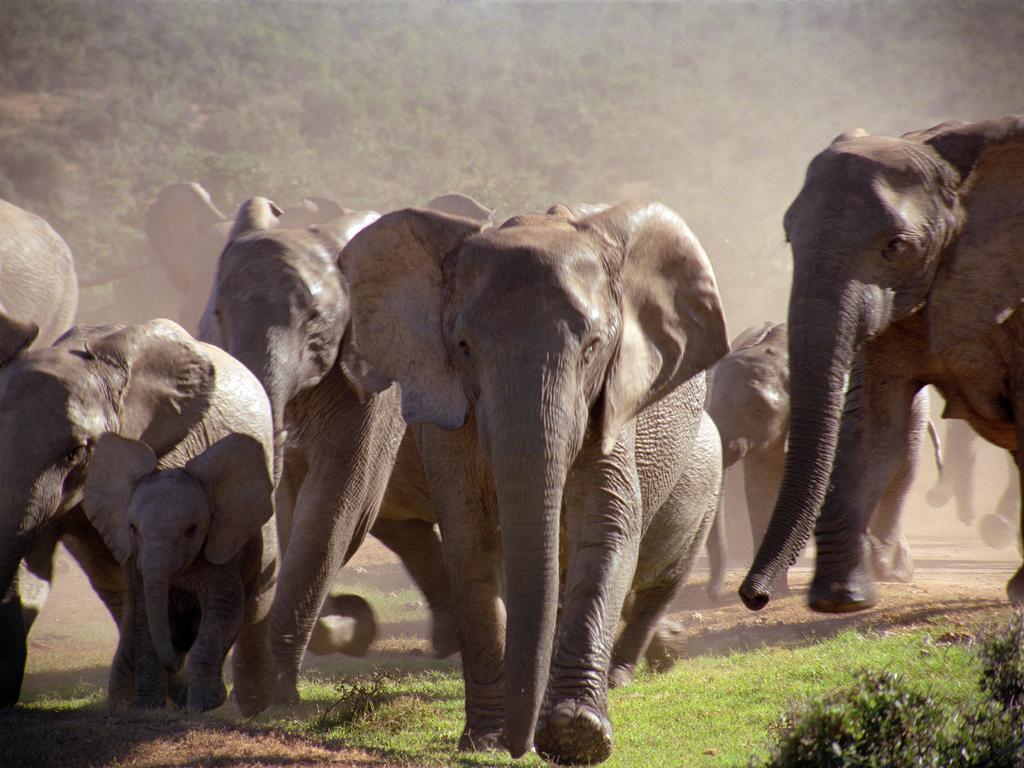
<point>555,367</point>
<point>908,269</point>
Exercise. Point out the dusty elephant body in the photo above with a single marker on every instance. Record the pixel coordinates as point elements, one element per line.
<point>748,397</point>
<point>907,271</point>
<point>39,282</point>
<point>280,306</point>
<point>555,367</point>
<point>149,382</point>
<point>200,547</point>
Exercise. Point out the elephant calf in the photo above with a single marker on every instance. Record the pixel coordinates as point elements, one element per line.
<point>200,543</point>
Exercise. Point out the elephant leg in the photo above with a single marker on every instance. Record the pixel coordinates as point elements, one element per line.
<point>472,549</point>
<point>603,539</point>
<point>346,625</point>
<point>336,506</point>
<point>717,554</point>
<point>223,613</point>
<point>286,495</point>
<point>418,544</point>
<point>1015,587</point>
<point>762,476</point>
<point>877,426</point>
<point>641,618</point>
<point>18,611</point>
<point>251,662</point>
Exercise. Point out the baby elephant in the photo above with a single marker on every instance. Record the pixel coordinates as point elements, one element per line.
<point>200,546</point>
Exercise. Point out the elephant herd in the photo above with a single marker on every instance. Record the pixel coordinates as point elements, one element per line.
<point>535,417</point>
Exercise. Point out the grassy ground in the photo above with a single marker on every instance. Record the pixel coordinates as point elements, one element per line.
<point>400,707</point>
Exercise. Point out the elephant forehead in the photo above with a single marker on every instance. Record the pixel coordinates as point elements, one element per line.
<point>173,492</point>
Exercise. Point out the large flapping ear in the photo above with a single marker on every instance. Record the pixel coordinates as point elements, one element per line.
<point>236,473</point>
<point>255,214</point>
<point>396,282</point>
<point>168,382</point>
<point>463,206</point>
<point>116,467</point>
<point>980,279</point>
<point>15,336</point>
<point>673,326</point>
<point>176,224</point>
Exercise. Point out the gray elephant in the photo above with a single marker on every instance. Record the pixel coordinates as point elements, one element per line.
<point>186,233</point>
<point>39,282</point>
<point>149,382</point>
<point>200,545</point>
<point>907,271</point>
<point>280,306</point>
<point>554,366</point>
<point>748,398</point>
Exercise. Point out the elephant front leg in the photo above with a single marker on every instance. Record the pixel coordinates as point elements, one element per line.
<point>604,518</point>
<point>877,428</point>
<point>222,605</point>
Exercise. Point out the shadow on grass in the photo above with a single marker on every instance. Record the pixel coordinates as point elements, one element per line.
<point>79,681</point>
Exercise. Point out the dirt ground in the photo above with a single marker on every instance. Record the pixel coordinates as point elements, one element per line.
<point>959,581</point>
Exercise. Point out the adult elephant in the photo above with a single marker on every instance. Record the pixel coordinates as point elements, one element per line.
<point>39,283</point>
<point>186,233</point>
<point>555,367</point>
<point>748,398</point>
<point>908,270</point>
<point>280,305</point>
<point>150,382</point>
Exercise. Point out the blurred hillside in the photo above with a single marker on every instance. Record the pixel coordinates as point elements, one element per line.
<point>713,107</point>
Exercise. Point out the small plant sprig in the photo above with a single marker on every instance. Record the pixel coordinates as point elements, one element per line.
<point>356,698</point>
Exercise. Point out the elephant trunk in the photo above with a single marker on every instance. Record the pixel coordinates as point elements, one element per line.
<point>529,460</point>
<point>823,333</point>
<point>157,591</point>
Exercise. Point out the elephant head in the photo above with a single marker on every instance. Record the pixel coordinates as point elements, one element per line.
<point>882,229</point>
<point>279,304</point>
<point>185,231</point>
<point>458,204</point>
<point>166,519</point>
<point>554,331</point>
<point>310,211</point>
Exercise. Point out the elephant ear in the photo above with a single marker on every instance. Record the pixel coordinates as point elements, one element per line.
<point>166,384</point>
<point>15,336</point>
<point>673,326</point>
<point>116,467</point>
<point>255,214</point>
<point>237,477</point>
<point>176,224</point>
<point>980,281</point>
<point>395,275</point>
<point>463,206</point>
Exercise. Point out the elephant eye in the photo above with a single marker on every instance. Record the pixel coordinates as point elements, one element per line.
<point>191,531</point>
<point>75,454</point>
<point>590,350</point>
<point>896,248</point>
<point>464,346</point>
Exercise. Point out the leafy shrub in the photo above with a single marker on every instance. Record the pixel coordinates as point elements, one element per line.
<point>356,698</point>
<point>882,721</point>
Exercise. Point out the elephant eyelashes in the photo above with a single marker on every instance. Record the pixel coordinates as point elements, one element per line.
<point>75,455</point>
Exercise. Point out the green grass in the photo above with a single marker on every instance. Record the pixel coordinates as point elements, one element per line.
<point>707,711</point>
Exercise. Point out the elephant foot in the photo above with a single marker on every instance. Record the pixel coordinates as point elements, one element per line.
<point>891,561</point>
<point>842,596</point>
<point>715,590</point>
<point>444,636</point>
<point>346,625</point>
<point>620,675</point>
<point>997,531</point>
<point>666,646</point>
<point>483,739</point>
<point>938,496</point>
<point>1015,587</point>
<point>574,733</point>
<point>286,691</point>
<point>206,696</point>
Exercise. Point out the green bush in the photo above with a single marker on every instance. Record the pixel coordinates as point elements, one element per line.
<point>884,721</point>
